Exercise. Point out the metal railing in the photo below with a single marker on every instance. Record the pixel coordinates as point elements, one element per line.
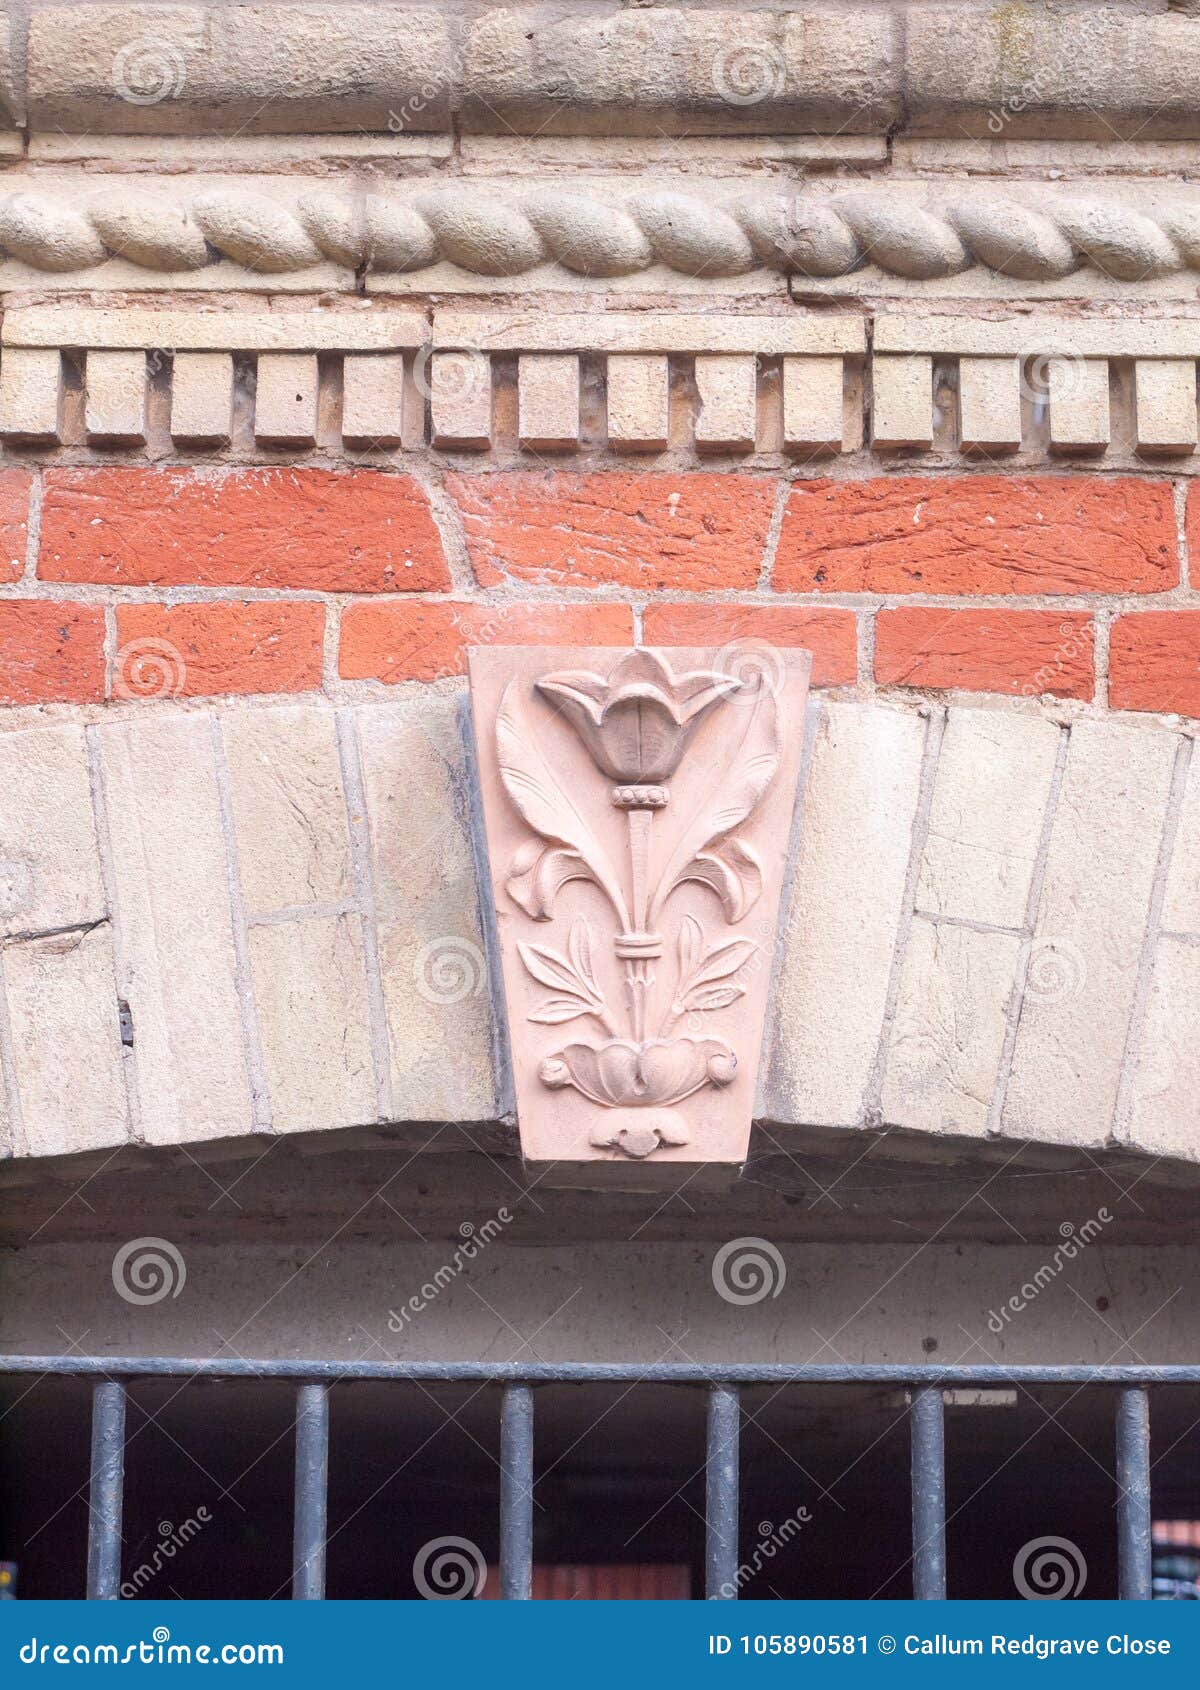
<point>313,1379</point>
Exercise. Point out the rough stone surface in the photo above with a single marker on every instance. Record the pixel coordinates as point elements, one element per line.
<point>985,821</point>
<point>1086,948</point>
<point>949,1028</point>
<point>974,943</point>
<point>289,809</point>
<point>62,1012</point>
<point>846,907</point>
<point>49,863</point>
<point>175,960</point>
<point>310,995</point>
<point>238,69</point>
<point>431,947</point>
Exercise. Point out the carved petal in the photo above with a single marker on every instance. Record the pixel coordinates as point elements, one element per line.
<point>538,875</point>
<point>734,795</point>
<point>542,803</point>
<point>732,871</point>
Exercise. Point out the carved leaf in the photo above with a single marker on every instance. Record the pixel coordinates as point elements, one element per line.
<point>579,952</point>
<point>550,969</point>
<point>542,803</point>
<point>733,871</point>
<point>719,964</point>
<point>691,948</point>
<point>556,1010</point>
<point>539,873</point>
<point>713,997</point>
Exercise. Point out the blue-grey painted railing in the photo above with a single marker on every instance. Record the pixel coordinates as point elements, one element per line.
<point>925,1383</point>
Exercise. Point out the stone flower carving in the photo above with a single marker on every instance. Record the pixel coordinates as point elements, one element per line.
<point>637,723</point>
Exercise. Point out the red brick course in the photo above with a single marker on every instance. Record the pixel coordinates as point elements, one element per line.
<point>404,641</point>
<point>1027,652</point>
<point>193,650</point>
<point>307,528</point>
<point>978,534</point>
<point>831,635</point>
<point>49,650</point>
<point>695,531</point>
<point>1154,662</point>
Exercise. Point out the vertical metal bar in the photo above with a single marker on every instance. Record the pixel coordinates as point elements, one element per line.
<point>928,1429</point>
<point>516,1493</point>
<point>312,1483</point>
<point>721,1493</point>
<point>107,1491</point>
<point>1133,1494</point>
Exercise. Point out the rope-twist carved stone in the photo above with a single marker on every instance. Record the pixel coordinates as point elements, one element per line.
<point>488,235</point>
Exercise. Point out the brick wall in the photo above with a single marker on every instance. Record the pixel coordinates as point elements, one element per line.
<point>127,582</point>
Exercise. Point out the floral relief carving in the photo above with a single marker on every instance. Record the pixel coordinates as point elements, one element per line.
<point>643,976</point>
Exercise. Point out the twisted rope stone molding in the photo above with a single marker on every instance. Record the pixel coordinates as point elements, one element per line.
<point>489,234</point>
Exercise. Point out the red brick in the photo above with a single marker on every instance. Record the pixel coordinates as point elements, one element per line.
<point>402,641</point>
<point>694,532</point>
<point>357,533</point>
<point>14,518</point>
<point>1154,662</point>
<point>1011,651</point>
<point>194,650</point>
<point>50,650</point>
<point>979,534</point>
<point>830,635</point>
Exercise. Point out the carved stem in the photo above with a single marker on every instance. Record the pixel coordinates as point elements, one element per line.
<point>638,977</point>
<point>639,859</point>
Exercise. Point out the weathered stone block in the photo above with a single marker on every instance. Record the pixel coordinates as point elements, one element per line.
<point>985,824</point>
<point>431,945</point>
<point>63,1018</point>
<point>1084,956</point>
<point>846,904</point>
<point>310,996</point>
<point>289,812</point>
<point>175,959</point>
<point>49,864</point>
<point>949,1028</point>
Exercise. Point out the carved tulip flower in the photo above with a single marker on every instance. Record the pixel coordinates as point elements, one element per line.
<point>637,722</point>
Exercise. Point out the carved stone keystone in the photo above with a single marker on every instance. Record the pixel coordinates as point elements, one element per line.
<point>638,808</point>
